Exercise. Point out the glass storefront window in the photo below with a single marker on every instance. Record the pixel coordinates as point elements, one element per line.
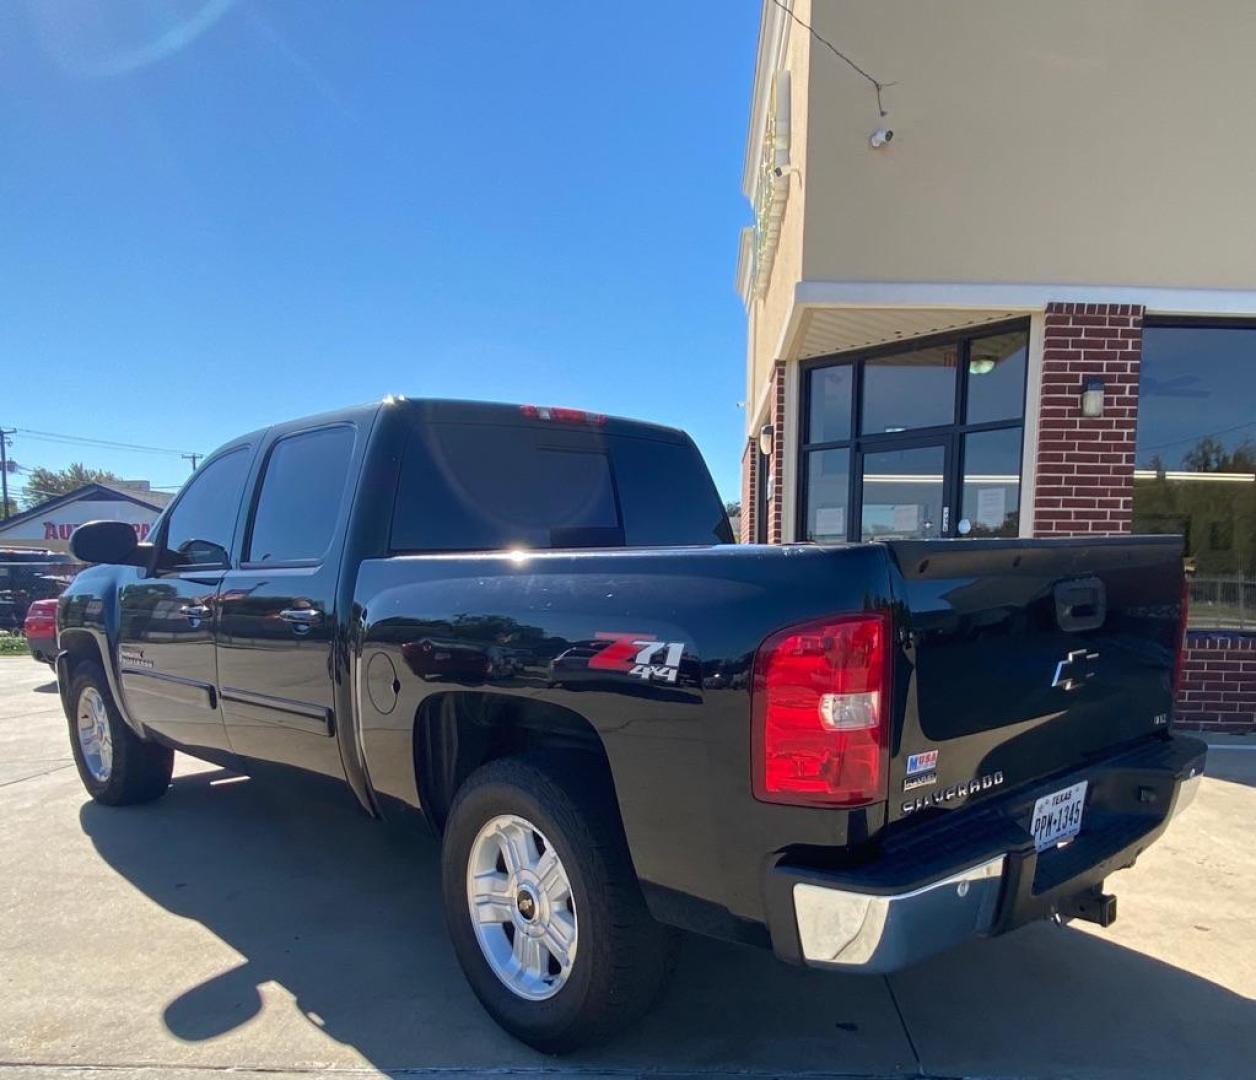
<point>902,493</point>
<point>828,489</point>
<point>909,390</point>
<point>996,378</point>
<point>1195,462</point>
<point>925,471</point>
<point>831,389</point>
<point>990,500</point>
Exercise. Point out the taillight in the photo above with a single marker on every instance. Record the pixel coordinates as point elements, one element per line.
<point>560,415</point>
<point>820,712</point>
<point>1180,659</point>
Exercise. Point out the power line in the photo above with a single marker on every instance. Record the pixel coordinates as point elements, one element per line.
<point>877,85</point>
<point>59,437</point>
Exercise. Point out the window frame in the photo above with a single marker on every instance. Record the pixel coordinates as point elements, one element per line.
<point>161,546</point>
<point>952,434</point>
<point>255,498</point>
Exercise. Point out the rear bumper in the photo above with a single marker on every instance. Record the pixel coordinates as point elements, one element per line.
<point>974,872</point>
<point>43,648</point>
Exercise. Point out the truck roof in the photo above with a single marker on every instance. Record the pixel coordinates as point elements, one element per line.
<point>454,410</point>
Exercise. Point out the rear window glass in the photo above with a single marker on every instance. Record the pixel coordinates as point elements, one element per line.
<point>479,487</point>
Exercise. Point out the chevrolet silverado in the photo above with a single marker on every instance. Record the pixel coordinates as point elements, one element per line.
<point>533,626</point>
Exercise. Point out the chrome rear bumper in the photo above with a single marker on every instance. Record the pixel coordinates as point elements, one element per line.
<point>877,934</point>
<point>979,875</point>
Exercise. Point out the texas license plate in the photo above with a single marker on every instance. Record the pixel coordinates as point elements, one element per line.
<point>1058,816</point>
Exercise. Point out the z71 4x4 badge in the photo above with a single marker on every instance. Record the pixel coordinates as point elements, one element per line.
<point>653,661</point>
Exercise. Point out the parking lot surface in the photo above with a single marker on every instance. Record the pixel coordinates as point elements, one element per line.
<point>265,926</point>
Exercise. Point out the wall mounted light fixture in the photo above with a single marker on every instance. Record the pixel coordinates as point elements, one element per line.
<point>767,439</point>
<point>1092,396</point>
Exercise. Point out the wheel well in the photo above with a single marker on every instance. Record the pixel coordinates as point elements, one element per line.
<point>79,646</point>
<point>458,731</point>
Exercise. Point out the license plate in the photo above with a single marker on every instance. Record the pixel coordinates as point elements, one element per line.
<point>1058,816</point>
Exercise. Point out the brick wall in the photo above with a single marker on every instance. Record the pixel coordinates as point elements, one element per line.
<point>1086,464</point>
<point>749,493</point>
<point>1218,683</point>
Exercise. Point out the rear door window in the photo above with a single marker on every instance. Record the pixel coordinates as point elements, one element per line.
<point>302,491</point>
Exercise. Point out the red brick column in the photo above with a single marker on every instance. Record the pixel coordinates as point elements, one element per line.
<point>749,492</point>
<point>1218,683</point>
<point>1085,481</point>
<point>775,521</point>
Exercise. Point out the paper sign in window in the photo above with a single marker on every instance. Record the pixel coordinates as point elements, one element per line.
<point>906,517</point>
<point>831,521</point>
<point>991,507</point>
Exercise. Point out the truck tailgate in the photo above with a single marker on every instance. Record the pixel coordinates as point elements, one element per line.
<point>1027,658</point>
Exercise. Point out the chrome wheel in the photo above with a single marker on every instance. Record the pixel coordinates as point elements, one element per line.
<point>95,739</point>
<point>520,903</point>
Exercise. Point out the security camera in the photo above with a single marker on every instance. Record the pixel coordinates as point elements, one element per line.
<point>880,137</point>
<point>783,170</point>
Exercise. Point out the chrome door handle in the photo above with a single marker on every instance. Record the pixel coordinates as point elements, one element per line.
<point>194,611</point>
<point>302,616</point>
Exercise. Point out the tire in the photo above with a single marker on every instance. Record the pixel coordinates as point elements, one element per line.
<point>621,958</point>
<point>123,768</point>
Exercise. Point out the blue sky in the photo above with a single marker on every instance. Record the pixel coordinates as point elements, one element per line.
<point>221,214</point>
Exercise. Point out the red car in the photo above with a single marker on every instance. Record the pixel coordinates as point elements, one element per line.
<point>40,629</point>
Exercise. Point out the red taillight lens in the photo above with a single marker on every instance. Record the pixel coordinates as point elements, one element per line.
<point>1181,636</point>
<point>41,618</point>
<point>820,709</point>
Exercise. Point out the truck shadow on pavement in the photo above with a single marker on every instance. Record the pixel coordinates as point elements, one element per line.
<point>345,915</point>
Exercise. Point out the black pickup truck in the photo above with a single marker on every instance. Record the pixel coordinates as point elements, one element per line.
<point>533,625</point>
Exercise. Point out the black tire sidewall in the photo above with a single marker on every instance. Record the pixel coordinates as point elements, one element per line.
<point>139,771</point>
<point>547,1024</point>
<point>85,676</point>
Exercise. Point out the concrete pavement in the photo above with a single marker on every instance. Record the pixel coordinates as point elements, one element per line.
<point>266,926</point>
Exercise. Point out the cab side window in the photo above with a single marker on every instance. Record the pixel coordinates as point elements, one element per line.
<point>302,491</point>
<point>202,521</point>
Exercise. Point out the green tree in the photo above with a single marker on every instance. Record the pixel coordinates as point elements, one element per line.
<point>43,484</point>
<point>1210,455</point>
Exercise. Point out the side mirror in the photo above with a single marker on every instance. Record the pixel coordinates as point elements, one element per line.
<point>112,542</point>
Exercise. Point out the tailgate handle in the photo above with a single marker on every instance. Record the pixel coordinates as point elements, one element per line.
<point>1080,604</point>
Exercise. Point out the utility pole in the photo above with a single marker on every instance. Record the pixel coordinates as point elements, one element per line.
<point>4,468</point>
<point>193,458</point>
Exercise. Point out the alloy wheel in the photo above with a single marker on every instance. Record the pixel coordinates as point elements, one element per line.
<point>520,904</point>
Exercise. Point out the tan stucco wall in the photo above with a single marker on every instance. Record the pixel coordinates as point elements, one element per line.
<point>1075,141</point>
<point>769,314</point>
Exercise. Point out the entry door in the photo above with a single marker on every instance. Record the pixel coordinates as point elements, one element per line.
<point>166,634</point>
<point>278,613</point>
<point>905,490</point>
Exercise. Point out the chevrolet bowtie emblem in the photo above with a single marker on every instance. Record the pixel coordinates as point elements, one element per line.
<point>1075,669</point>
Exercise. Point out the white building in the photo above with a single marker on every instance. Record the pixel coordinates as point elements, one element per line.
<point>50,524</point>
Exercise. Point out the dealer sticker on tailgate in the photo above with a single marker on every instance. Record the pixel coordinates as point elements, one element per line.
<point>1058,816</point>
